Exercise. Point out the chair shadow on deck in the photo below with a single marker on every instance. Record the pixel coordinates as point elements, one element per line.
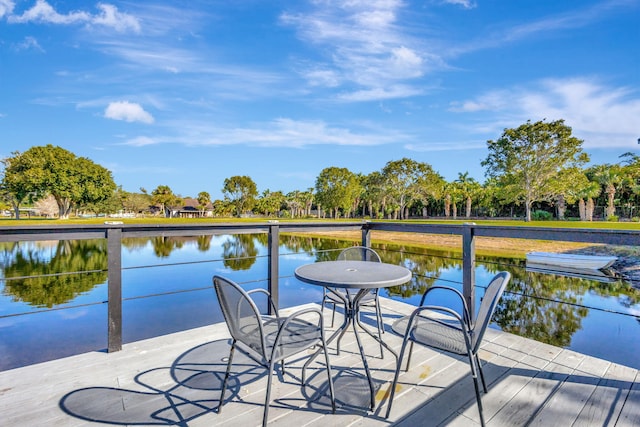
<point>545,395</point>
<point>175,395</point>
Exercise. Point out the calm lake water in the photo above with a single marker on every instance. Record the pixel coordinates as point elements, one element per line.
<point>167,288</point>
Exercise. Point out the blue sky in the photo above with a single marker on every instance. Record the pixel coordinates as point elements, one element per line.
<point>189,93</point>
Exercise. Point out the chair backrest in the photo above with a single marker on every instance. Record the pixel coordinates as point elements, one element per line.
<point>488,306</point>
<point>241,314</point>
<point>359,253</point>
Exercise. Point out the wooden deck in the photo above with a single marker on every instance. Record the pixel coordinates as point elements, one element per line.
<point>175,380</point>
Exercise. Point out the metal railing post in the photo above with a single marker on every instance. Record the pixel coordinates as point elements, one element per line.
<point>366,236</point>
<point>366,241</point>
<point>273,269</point>
<point>114,280</point>
<point>469,267</point>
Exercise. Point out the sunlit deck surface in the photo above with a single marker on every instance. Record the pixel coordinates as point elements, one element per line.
<point>175,380</point>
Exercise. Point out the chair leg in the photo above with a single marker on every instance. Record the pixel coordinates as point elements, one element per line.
<point>409,357</point>
<point>474,374</point>
<point>484,383</point>
<point>392,392</point>
<point>226,376</point>
<point>329,376</point>
<point>333,314</point>
<point>267,399</point>
<point>379,322</point>
<point>379,314</point>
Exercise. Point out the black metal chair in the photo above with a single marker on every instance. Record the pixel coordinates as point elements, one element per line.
<point>445,329</point>
<point>267,339</point>
<point>330,297</point>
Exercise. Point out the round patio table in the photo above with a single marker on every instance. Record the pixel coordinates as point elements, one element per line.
<point>353,275</point>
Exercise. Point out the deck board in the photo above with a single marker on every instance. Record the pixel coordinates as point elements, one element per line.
<point>177,377</point>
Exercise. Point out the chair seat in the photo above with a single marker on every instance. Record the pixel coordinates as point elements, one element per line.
<point>298,335</point>
<point>443,333</point>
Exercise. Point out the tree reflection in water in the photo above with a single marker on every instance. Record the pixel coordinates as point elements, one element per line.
<point>239,252</point>
<point>86,260</point>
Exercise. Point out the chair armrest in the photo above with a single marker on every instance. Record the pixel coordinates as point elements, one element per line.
<point>270,301</point>
<point>302,312</point>
<point>436,308</point>
<point>293,316</point>
<point>465,308</point>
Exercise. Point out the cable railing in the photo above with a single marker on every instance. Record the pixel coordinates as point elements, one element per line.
<point>115,233</point>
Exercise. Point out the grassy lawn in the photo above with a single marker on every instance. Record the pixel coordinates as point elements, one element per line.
<point>606,225</point>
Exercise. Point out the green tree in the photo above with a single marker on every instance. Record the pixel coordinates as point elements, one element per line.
<point>163,196</point>
<point>468,189</point>
<point>222,208</point>
<point>569,186</point>
<point>609,176</point>
<point>336,190</point>
<point>137,202</point>
<point>15,187</point>
<point>406,181</point>
<point>295,203</point>
<point>307,198</point>
<point>241,192</point>
<point>270,203</point>
<point>526,159</point>
<point>73,181</point>
<point>373,194</point>
<point>203,201</point>
<point>589,191</point>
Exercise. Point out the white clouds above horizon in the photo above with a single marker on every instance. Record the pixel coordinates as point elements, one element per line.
<point>364,46</point>
<point>127,111</point>
<point>42,12</point>
<point>603,116</point>
<point>280,133</point>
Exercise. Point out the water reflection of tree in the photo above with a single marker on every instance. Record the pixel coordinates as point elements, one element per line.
<point>204,243</point>
<point>425,264</point>
<point>48,289</point>
<point>163,246</point>
<point>553,316</point>
<point>554,312</point>
<point>239,252</point>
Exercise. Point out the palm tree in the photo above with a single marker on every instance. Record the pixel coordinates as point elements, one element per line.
<point>609,176</point>
<point>468,188</point>
<point>590,192</point>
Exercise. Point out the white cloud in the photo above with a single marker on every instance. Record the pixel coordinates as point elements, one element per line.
<point>467,4</point>
<point>365,48</point>
<point>29,43</point>
<point>603,116</point>
<point>281,133</point>
<point>6,7</point>
<point>579,17</point>
<point>43,12</point>
<point>111,17</point>
<point>127,111</point>
<point>380,93</point>
<point>141,141</point>
<point>285,132</point>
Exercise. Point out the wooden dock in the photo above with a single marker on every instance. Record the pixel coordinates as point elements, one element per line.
<point>175,380</point>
